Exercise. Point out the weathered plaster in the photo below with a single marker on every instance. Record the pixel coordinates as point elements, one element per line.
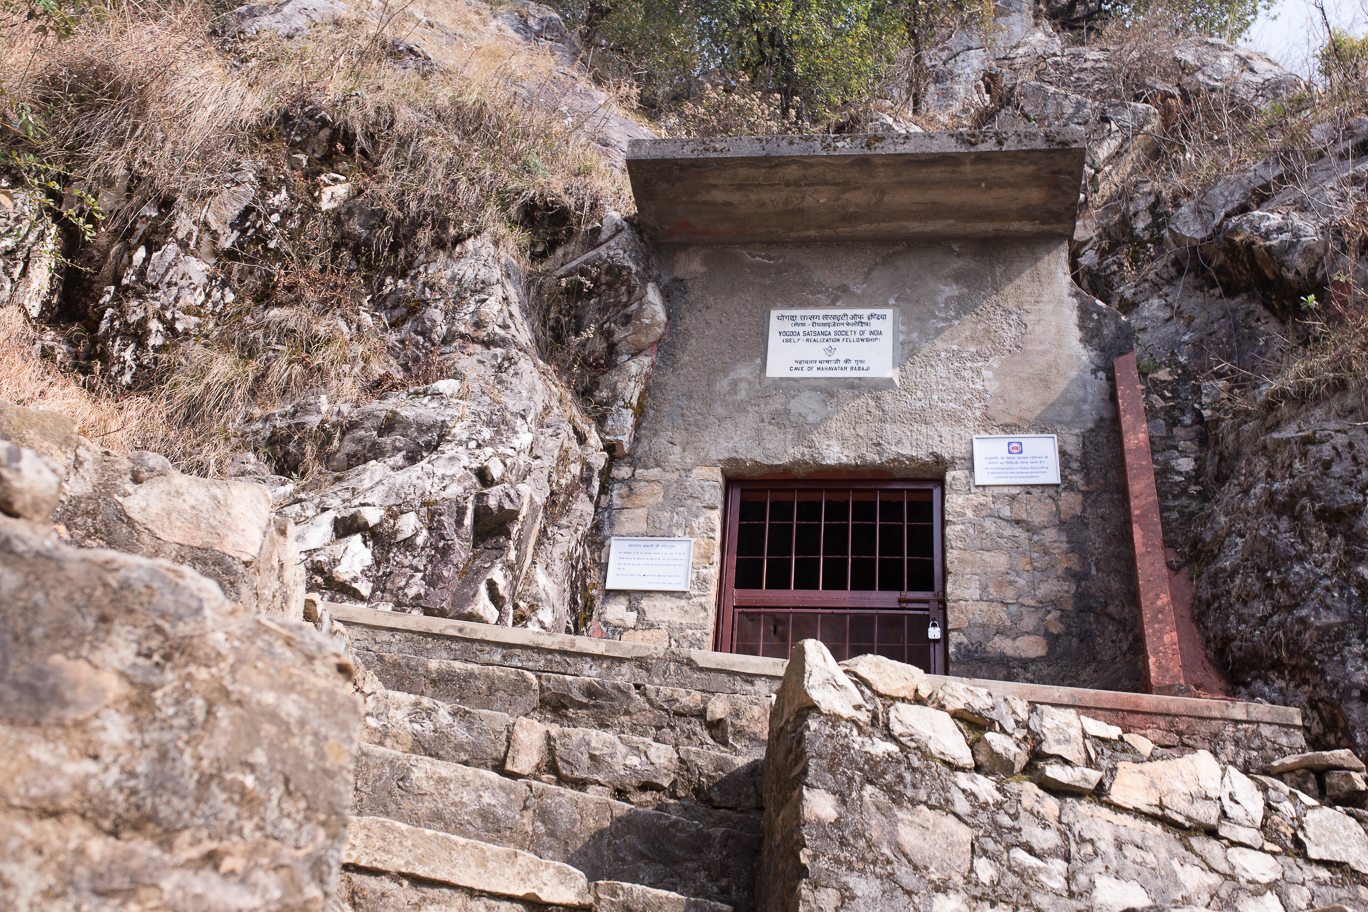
<point>994,338</point>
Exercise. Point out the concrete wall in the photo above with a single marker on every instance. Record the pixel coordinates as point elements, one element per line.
<point>994,338</point>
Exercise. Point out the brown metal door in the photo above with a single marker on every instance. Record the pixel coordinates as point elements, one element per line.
<point>856,564</point>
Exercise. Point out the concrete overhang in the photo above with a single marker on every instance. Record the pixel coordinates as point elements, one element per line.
<point>787,189</point>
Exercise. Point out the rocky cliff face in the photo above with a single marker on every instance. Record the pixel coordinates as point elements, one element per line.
<point>449,399</point>
<point>1262,497</point>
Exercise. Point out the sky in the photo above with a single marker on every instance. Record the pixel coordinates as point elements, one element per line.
<point>1292,31</point>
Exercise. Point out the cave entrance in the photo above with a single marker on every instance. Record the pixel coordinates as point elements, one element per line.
<point>858,565</point>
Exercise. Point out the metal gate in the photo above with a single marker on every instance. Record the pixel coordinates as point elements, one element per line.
<point>858,565</point>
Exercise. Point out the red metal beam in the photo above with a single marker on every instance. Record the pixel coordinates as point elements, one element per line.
<point>1158,622</point>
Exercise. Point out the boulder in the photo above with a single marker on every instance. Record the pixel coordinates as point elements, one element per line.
<point>157,740</point>
<point>224,529</point>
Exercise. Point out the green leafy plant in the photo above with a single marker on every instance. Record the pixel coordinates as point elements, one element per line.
<point>815,55</point>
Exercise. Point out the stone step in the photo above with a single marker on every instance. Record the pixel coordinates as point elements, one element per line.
<point>641,771</point>
<point>381,844</point>
<point>682,847</point>
<point>726,723</point>
<point>604,660</point>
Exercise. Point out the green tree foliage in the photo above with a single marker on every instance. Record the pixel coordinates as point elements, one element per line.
<point>816,55</point>
<point>1228,19</point>
<point>1343,60</point>
<point>50,18</point>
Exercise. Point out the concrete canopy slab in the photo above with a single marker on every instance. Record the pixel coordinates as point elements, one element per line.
<point>787,189</point>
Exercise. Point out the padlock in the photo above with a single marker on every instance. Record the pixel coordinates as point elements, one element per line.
<point>933,631</point>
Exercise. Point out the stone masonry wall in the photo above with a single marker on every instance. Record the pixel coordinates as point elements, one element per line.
<point>994,338</point>
<point>884,791</point>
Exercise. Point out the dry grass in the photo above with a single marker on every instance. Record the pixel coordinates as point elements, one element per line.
<point>121,423</point>
<point>143,99</point>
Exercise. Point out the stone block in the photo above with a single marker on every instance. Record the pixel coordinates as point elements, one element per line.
<point>527,747</point>
<point>990,564</point>
<point>1304,781</point>
<point>1097,729</point>
<point>723,780</point>
<point>615,896</point>
<point>445,731</point>
<point>1060,734</point>
<point>638,494</point>
<point>506,690</point>
<point>999,755</point>
<point>1144,746</point>
<point>931,731</point>
<point>936,844</point>
<point>1332,836</point>
<point>1060,777</point>
<point>630,522</point>
<point>1021,647</point>
<point>435,795</point>
<point>813,680</point>
<point>887,678</point>
<point>1241,801</point>
<point>1245,836</point>
<point>387,845</point>
<point>1185,791</point>
<point>1317,762</point>
<point>618,611</point>
<point>1344,787</point>
<point>963,701</point>
<point>574,694</point>
<point>616,761</point>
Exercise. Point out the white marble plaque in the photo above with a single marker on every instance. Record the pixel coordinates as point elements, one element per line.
<point>1016,459</point>
<point>810,344</point>
<point>658,564</point>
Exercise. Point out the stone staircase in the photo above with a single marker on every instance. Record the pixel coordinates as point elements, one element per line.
<point>636,767</point>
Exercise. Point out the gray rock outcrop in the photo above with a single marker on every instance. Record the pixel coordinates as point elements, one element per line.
<point>224,529</point>
<point>158,742</point>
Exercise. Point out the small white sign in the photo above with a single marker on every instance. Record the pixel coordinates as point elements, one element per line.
<point>657,564</point>
<point>808,344</point>
<point>1016,459</point>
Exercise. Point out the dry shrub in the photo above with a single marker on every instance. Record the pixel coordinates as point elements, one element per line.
<point>1334,361</point>
<point>122,423</point>
<point>472,141</point>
